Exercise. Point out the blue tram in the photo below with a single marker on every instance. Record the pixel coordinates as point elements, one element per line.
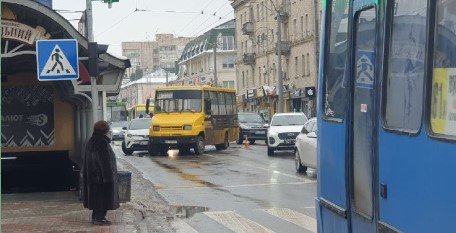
<point>387,116</point>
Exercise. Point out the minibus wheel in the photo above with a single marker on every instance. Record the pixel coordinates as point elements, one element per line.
<point>199,147</point>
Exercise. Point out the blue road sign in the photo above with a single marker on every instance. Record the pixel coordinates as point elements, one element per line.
<point>57,60</point>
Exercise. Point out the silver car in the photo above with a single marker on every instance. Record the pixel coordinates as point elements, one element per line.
<point>306,147</point>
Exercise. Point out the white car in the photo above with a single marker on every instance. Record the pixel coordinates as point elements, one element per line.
<point>283,131</point>
<point>136,136</point>
<point>306,147</point>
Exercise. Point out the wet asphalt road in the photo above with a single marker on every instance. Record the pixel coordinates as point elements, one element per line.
<point>235,190</point>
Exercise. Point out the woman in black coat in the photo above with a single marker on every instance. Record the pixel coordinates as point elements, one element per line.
<point>99,175</point>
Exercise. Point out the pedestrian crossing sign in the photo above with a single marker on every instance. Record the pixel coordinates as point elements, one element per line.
<point>57,60</point>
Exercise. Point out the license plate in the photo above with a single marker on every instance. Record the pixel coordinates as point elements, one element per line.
<point>260,132</point>
<point>171,141</point>
<point>144,143</point>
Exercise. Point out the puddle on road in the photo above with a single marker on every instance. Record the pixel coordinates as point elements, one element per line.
<point>186,176</point>
<point>187,211</point>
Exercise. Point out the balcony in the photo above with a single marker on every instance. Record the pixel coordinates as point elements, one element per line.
<point>249,58</point>
<point>286,47</point>
<point>247,28</point>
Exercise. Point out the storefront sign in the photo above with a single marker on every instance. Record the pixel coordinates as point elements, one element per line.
<point>28,116</point>
<point>251,93</point>
<point>443,105</point>
<point>309,92</point>
<point>296,93</point>
<point>17,31</point>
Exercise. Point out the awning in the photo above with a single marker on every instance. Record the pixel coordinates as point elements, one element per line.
<point>36,15</point>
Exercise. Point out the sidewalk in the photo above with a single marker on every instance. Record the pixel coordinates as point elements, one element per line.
<point>63,212</point>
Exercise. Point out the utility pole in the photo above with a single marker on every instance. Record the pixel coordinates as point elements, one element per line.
<point>93,80</point>
<point>279,62</point>
<point>215,64</point>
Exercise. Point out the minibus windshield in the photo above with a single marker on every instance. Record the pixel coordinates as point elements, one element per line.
<point>178,101</point>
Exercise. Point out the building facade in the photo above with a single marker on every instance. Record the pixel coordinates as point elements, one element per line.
<point>196,64</point>
<point>256,60</point>
<point>137,92</point>
<point>148,56</point>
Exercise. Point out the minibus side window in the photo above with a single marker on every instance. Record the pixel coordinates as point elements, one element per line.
<point>405,80</point>
<point>214,103</point>
<point>335,83</point>
<point>222,107</point>
<point>443,88</point>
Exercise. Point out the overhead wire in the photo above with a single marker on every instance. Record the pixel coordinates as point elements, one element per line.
<point>214,14</point>
<point>193,19</point>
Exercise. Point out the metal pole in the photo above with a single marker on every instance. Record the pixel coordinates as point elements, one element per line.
<point>215,65</point>
<point>279,63</point>
<point>93,83</point>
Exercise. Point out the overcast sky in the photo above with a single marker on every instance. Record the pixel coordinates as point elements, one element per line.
<point>122,23</point>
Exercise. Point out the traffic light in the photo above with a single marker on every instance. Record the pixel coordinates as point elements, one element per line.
<point>110,2</point>
<point>95,50</point>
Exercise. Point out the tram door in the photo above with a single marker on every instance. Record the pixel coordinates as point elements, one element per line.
<point>363,120</point>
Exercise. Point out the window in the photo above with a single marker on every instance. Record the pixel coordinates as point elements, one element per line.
<point>296,66</point>
<point>228,84</point>
<point>229,102</point>
<point>243,79</point>
<point>258,12</point>
<point>405,80</point>
<point>303,65</point>
<point>228,43</point>
<point>307,24</point>
<point>302,25</point>
<point>228,62</point>
<point>221,103</point>
<point>274,72</point>
<point>308,64</point>
<point>295,28</point>
<point>214,103</point>
<point>443,92</point>
<point>262,10</point>
<point>248,78</point>
<point>335,82</point>
<point>259,74</point>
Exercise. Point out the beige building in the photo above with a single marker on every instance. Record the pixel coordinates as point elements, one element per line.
<point>256,63</point>
<point>196,65</point>
<point>148,56</point>
<point>138,91</point>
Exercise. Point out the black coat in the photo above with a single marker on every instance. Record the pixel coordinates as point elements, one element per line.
<point>99,175</point>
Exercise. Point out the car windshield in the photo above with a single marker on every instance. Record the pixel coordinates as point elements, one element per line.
<point>140,124</point>
<point>119,124</point>
<point>280,120</point>
<point>250,118</point>
<point>178,101</point>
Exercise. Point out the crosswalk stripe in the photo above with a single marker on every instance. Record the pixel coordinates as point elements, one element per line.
<point>292,216</point>
<point>237,223</point>
<point>182,227</point>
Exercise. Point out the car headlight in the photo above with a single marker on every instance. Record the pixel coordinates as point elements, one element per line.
<point>129,135</point>
<point>187,127</point>
<point>243,126</point>
<point>156,128</point>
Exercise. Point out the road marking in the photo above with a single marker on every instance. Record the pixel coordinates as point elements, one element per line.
<point>182,227</point>
<point>307,181</point>
<point>237,223</point>
<point>232,186</point>
<point>292,216</point>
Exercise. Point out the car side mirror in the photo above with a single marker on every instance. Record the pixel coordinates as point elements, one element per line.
<point>312,135</point>
<point>124,128</point>
<point>147,106</point>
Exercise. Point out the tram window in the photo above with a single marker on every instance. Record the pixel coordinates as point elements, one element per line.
<point>405,80</point>
<point>443,89</point>
<point>335,81</point>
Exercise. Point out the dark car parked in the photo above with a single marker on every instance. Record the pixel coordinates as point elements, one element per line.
<point>253,126</point>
